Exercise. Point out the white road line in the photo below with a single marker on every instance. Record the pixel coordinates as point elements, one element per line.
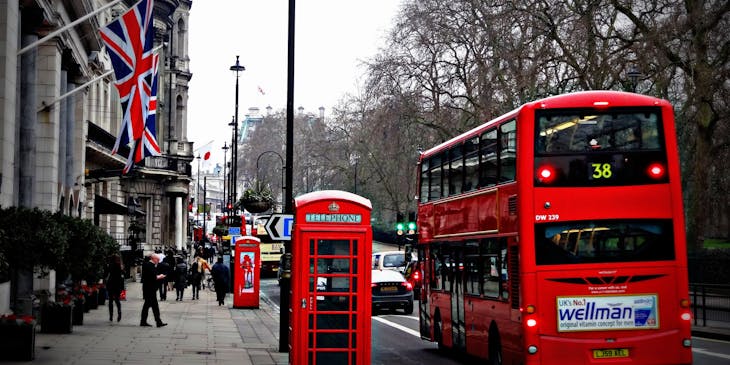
<point>710,353</point>
<point>397,326</point>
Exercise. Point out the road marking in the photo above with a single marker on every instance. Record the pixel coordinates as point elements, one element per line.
<point>397,326</point>
<point>710,353</point>
<point>266,298</point>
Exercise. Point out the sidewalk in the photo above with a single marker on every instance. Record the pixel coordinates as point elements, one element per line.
<point>197,332</point>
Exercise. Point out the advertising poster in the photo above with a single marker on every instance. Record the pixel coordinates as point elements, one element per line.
<point>247,263</point>
<point>598,313</point>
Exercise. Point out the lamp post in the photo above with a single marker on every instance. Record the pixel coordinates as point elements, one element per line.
<point>197,192</point>
<point>283,169</point>
<point>234,154</point>
<point>634,75</point>
<point>225,197</point>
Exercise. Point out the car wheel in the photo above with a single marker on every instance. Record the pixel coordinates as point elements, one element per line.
<point>409,308</point>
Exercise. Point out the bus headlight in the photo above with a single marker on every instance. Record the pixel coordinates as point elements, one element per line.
<point>687,342</point>
<point>532,349</point>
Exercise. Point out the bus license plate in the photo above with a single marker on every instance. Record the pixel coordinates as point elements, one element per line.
<point>610,353</point>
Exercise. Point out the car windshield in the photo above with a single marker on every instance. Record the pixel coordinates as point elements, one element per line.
<point>394,260</point>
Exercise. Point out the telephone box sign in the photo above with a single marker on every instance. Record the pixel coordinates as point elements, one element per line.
<point>591,313</point>
<point>333,218</point>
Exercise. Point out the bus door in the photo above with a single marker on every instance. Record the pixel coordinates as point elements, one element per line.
<point>458,329</point>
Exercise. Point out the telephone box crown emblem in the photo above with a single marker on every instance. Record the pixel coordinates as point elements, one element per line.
<point>333,207</point>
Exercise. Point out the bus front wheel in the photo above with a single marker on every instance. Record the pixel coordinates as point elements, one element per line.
<point>495,349</point>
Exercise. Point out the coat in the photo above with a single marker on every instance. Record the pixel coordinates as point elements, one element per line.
<point>181,279</point>
<point>114,280</point>
<point>221,275</point>
<point>150,284</point>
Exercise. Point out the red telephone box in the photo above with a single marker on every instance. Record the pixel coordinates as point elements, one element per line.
<point>246,265</point>
<point>330,276</point>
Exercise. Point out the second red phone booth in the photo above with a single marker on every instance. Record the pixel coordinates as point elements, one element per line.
<point>331,293</point>
<point>246,265</point>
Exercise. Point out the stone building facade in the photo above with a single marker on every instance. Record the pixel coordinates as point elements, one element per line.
<point>60,115</point>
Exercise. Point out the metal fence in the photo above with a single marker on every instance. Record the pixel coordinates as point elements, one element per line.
<point>710,304</point>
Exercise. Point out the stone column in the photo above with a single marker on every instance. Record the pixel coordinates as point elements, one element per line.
<point>178,223</point>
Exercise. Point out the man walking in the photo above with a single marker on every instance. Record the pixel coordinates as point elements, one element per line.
<point>221,277</point>
<point>150,283</point>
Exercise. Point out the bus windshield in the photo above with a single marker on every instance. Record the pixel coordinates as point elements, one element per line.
<point>571,131</point>
<point>585,147</point>
<point>603,241</point>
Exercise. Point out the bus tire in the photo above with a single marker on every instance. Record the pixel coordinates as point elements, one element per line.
<point>495,348</point>
<point>437,334</point>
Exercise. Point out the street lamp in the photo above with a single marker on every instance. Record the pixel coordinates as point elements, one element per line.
<point>283,168</point>
<point>634,74</point>
<point>234,154</point>
<point>225,198</point>
<point>197,192</point>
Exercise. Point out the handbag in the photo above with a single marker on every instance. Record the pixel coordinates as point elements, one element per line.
<point>123,295</point>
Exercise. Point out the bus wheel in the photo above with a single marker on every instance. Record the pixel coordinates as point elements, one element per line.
<point>495,350</point>
<point>438,336</point>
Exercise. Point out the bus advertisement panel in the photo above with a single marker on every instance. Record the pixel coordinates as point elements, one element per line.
<point>558,226</point>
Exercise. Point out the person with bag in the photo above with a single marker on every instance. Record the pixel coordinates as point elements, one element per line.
<point>181,272</point>
<point>114,285</point>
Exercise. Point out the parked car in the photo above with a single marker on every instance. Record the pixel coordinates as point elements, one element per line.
<point>390,290</point>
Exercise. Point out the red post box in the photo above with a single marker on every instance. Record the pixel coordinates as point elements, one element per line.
<point>330,276</point>
<point>246,264</point>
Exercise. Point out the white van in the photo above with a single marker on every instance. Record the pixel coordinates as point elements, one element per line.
<point>390,260</point>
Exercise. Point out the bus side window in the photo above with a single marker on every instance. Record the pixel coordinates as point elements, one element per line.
<point>504,273</point>
<point>490,277</point>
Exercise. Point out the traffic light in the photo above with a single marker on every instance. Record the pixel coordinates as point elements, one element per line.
<point>399,227</point>
<point>411,228</point>
<point>229,206</point>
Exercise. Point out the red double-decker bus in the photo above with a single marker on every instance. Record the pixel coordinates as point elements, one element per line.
<point>554,234</point>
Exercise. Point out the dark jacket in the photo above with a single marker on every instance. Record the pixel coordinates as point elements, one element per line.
<point>150,284</point>
<point>114,280</point>
<point>181,271</point>
<point>220,274</point>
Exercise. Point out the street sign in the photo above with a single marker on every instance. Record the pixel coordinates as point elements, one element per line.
<point>234,231</point>
<point>279,226</point>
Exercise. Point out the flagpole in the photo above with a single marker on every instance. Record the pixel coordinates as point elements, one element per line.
<point>66,27</point>
<point>74,91</point>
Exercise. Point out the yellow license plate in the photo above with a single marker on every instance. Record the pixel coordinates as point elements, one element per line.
<point>610,353</point>
<point>388,289</point>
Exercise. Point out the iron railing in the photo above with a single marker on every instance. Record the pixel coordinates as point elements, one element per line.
<point>710,304</point>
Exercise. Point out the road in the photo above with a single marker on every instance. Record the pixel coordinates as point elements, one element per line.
<point>395,340</point>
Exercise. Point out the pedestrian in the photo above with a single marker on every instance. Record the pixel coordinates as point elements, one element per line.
<point>114,285</point>
<point>196,277</point>
<point>151,280</point>
<point>171,262</point>
<point>164,268</point>
<point>221,279</point>
<point>181,280</point>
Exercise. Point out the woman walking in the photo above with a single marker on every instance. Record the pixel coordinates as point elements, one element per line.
<point>114,285</point>
<point>181,280</point>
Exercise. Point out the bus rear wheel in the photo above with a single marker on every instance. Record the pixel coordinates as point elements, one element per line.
<point>438,336</point>
<point>495,351</point>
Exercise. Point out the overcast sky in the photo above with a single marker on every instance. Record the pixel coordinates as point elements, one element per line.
<point>332,37</point>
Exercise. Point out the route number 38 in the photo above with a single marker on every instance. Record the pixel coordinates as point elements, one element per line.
<point>601,170</point>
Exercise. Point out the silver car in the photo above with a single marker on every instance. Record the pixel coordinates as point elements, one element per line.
<point>391,291</point>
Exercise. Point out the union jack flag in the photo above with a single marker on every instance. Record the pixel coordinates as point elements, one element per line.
<point>128,41</point>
